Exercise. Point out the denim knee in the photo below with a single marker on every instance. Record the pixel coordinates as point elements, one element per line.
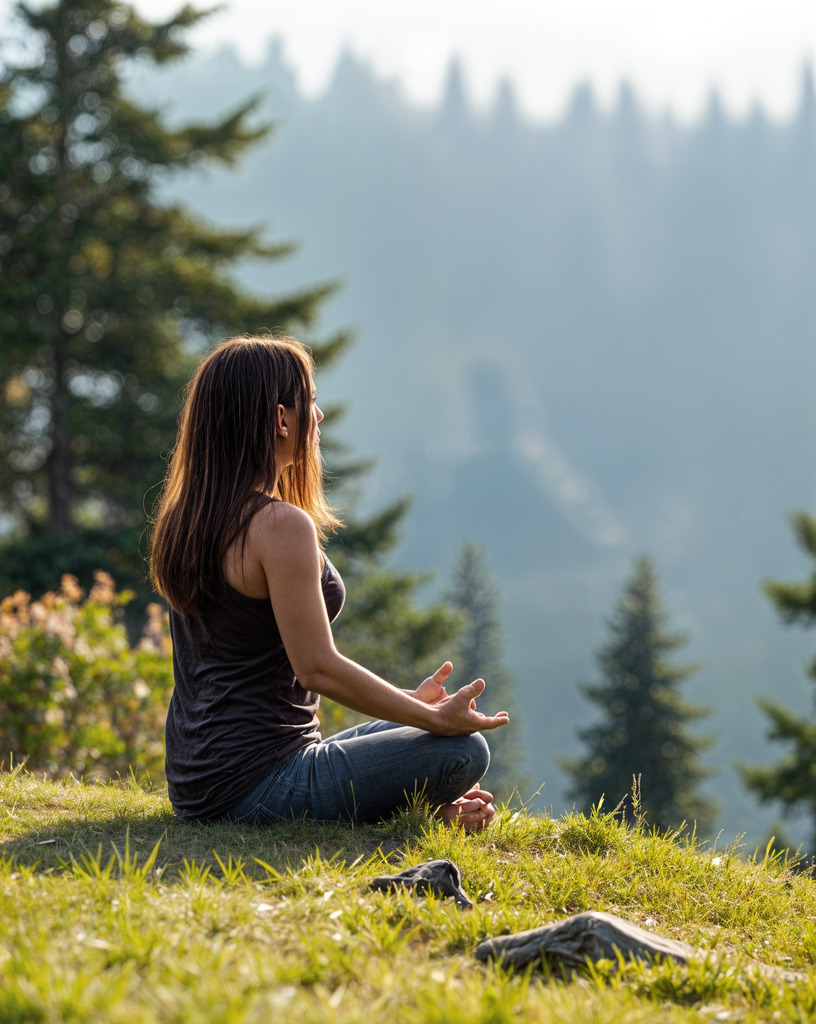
<point>458,763</point>
<point>471,756</point>
<point>479,753</point>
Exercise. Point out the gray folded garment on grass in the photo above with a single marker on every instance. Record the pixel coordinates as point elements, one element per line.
<point>593,935</point>
<point>438,876</point>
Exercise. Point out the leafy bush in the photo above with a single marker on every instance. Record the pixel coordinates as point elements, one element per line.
<point>75,696</point>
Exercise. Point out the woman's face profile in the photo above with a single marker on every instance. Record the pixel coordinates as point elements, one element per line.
<point>287,429</point>
<point>317,416</point>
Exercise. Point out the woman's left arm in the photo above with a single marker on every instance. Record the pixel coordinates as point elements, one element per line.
<point>284,541</point>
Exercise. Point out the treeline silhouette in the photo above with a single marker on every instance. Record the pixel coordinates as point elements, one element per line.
<point>577,342</point>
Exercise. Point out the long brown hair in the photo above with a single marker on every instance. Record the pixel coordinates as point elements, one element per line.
<point>223,467</point>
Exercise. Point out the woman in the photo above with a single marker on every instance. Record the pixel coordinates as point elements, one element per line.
<point>237,554</point>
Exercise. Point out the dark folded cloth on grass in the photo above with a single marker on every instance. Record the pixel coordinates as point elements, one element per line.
<point>437,876</point>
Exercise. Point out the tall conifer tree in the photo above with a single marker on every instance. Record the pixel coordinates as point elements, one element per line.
<point>106,294</point>
<point>478,653</point>
<point>644,729</point>
<point>791,782</point>
<point>107,297</point>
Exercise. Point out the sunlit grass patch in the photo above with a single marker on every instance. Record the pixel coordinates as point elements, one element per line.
<point>111,910</point>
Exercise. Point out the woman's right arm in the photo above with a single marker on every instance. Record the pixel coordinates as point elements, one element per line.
<point>284,541</point>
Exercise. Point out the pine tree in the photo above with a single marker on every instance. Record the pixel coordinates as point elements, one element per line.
<point>791,782</point>
<point>106,294</point>
<point>478,654</point>
<point>643,732</point>
<point>107,297</point>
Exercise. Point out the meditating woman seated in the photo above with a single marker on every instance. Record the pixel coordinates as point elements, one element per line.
<point>237,553</point>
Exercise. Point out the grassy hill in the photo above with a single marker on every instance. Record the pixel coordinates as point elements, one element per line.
<point>111,910</point>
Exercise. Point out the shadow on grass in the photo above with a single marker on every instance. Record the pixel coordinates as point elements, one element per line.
<point>52,840</point>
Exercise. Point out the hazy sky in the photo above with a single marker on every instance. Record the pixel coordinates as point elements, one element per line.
<point>672,51</point>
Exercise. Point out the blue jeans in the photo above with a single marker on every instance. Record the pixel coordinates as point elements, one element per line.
<point>364,774</point>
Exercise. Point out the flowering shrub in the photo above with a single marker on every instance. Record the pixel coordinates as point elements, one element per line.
<point>75,696</point>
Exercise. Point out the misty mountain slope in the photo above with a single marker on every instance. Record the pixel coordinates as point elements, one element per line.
<point>577,342</point>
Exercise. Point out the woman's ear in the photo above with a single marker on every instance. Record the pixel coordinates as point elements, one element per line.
<point>281,425</point>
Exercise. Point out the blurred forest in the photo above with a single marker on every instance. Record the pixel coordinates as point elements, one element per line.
<point>577,342</point>
<point>108,297</point>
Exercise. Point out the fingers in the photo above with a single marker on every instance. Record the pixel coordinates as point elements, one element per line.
<point>470,692</point>
<point>432,689</point>
<point>442,673</point>
<point>473,689</point>
<point>463,806</point>
<point>460,711</point>
<point>471,814</point>
<point>487,816</point>
<point>465,812</point>
<point>477,793</point>
<point>487,722</point>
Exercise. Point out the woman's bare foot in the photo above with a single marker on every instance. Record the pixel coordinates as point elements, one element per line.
<point>473,811</point>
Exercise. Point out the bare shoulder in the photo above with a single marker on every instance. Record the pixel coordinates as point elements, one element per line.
<point>277,515</point>
<point>281,541</point>
<point>280,527</point>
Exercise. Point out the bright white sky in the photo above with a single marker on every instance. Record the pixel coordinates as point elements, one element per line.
<point>671,51</point>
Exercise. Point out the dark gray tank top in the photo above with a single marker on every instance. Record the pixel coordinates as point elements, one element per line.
<point>237,710</point>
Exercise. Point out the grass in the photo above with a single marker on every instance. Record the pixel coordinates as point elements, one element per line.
<point>111,910</point>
